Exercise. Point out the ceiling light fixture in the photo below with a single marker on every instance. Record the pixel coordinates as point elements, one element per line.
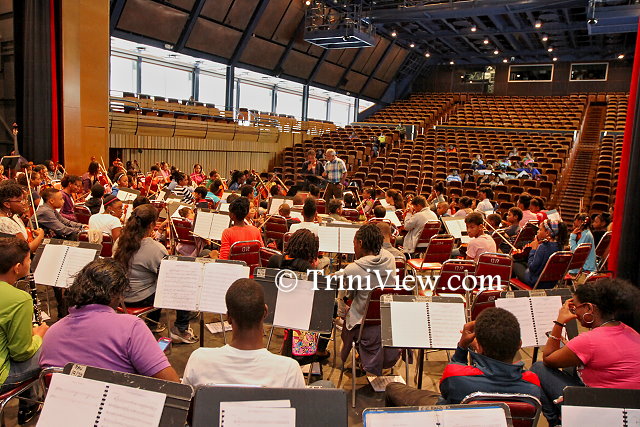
<point>393,33</point>
<point>474,29</point>
<point>621,56</point>
<point>308,2</point>
<point>550,49</point>
<point>545,37</point>
<point>495,52</point>
<point>427,54</point>
<point>485,41</point>
<point>451,62</point>
<point>412,45</point>
<point>555,58</point>
<point>505,60</point>
<point>538,24</point>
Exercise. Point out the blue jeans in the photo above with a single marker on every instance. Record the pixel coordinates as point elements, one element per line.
<point>21,371</point>
<point>553,382</point>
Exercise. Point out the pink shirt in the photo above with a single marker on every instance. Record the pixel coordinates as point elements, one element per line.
<point>479,245</point>
<point>527,216</point>
<point>609,356</point>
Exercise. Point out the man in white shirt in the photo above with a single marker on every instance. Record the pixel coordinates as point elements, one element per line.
<point>414,222</point>
<point>485,206</point>
<point>244,360</point>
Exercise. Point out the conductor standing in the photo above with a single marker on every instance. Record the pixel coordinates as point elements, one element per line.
<point>334,172</point>
<point>311,170</point>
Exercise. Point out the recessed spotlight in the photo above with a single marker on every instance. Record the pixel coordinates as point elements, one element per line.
<point>412,45</point>
<point>505,60</point>
<point>495,52</point>
<point>550,49</point>
<point>621,56</point>
<point>555,58</point>
<point>485,41</point>
<point>538,24</point>
<point>451,62</point>
<point>393,33</point>
<point>427,54</point>
<point>545,37</point>
<point>308,2</point>
<point>474,29</point>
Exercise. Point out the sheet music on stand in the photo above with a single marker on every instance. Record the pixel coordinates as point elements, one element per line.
<point>225,195</point>
<point>210,224</point>
<point>536,311</point>
<point>58,261</point>
<point>482,414</point>
<point>391,216</point>
<point>276,201</point>
<point>164,194</point>
<point>587,406</point>
<point>127,194</point>
<point>337,238</point>
<point>303,308</point>
<point>175,206</point>
<point>457,228</point>
<point>411,321</point>
<point>196,284</point>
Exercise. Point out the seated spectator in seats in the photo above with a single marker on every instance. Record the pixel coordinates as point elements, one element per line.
<point>95,334</point>
<point>244,360</point>
<point>441,148</point>
<point>524,204</point>
<point>514,216</point>
<point>394,199</point>
<point>71,184</point>
<point>493,341</point>
<point>536,206</point>
<point>465,205</point>
<point>477,163</point>
<point>528,158</point>
<point>197,177</point>
<point>385,229</point>
<point>121,181</point>
<point>528,171</point>
<point>216,189</point>
<point>552,237</point>
<point>240,231</point>
<point>349,201</point>
<point>382,141</point>
<point>480,242</point>
<point>20,341</point>
<point>606,356</point>
<point>334,209</point>
<point>13,205</point>
<point>494,221</point>
<point>108,222</point>
<point>599,226</point>
<point>451,149</point>
<point>414,221</point>
<point>514,153</point>
<point>485,206</point>
<point>94,204</point>
<point>453,176</point>
<point>309,215</point>
<point>50,219</point>
<point>504,164</point>
<point>437,195</point>
<point>582,234</point>
<point>378,266</point>
<point>495,180</point>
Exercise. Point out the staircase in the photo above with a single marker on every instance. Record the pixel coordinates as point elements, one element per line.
<point>577,181</point>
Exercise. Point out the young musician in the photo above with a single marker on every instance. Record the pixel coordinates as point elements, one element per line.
<point>437,195</point>
<point>19,341</point>
<point>485,206</point>
<point>334,171</point>
<point>394,199</point>
<point>494,221</point>
<point>240,231</point>
<point>415,219</point>
<point>367,200</point>
<point>582,234</point>
<point>334,208</point>
<point>95,334</point>
<point>71,185</point>
<point>385,229</point>
<point>493,341</point>
<point>216,189</point>
<point>237,180</point>
<point>244,360</point>
<point>285,211</point>
<point>181,189</point>
<point>552,237</point>
<point>599,226</point>
<point>465,207</point>
<point>536,206</point>
<point>121,181</point>
<point>524,203</point>
<point>141,256</point>
<point>480,242</point>
<point>94,204</point>
<point>108,222</point>
<point>514,216</point>
<point>197,177</point>
<point>13,206</point>
<point>309,215</point>
<point>91,176</point>
<point>53,171</point>
<point>51,220</point>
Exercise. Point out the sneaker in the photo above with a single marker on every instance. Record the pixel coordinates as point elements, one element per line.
<point>186,337</point>
<point>156,328</point>
<point>28,412</point>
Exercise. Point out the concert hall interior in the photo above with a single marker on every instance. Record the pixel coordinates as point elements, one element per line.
<point>319,212</point>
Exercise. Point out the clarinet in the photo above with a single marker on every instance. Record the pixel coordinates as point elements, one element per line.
<point>33,290</point>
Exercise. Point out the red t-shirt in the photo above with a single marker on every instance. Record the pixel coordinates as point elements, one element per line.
<point>237,234</point>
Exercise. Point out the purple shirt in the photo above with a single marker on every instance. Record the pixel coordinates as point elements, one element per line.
<point>96,335</point>
<point>67,209</point>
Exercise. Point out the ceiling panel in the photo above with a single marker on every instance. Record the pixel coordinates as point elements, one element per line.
<point>375,89</point>
<point>262,53</point>
<point>173,20</point>
<point>375,56</point>
<point>329,74</point>
<point>240,13</point>
<point>271,17</point>
<point>288,28</point>
<point>392,62</point>
<point>213,38</point>
<point>299,65</point>
<point>216,9</point>
<point>355,81</point>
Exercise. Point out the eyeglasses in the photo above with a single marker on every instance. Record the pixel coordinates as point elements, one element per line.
<point>573,308</point>
<point>16,201</point>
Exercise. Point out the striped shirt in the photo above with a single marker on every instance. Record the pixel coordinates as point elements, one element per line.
<point>335,169</point>
<point>184,193</point>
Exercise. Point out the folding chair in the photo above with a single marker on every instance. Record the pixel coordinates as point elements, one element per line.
<point>602,251</point>
<point>431,228</point>
<point>247,251</point>
<point>580,255</point>
<point>483,300</point>
<point>525,409</point>
<point>14,393</point>
<point>450,269</point>
<point>184,231</point>
<point>82,214</point>
<point>526,235</point>
<point>266,254</point>
<point>495,264</point>
<point>553,271</point>
<point>275,228</point>
<point>106,242</point>
<point>438,251</point>
<point>351,214</point>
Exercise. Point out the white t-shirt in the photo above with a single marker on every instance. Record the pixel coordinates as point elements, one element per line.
<point>486,207</point>
<point>104,222</point>
<point>229,365</point>
<point>13,226</point>
<point>311,226</point>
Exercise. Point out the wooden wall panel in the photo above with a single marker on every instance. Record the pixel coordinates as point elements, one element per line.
<point>85,81</point>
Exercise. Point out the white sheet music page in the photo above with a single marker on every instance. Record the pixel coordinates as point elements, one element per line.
<point>71,395</point>
<point>581,416</point>
<point>202,226</point>
<point>49,265</point>
<point>275,204</point>
<point>409,327</point>
<point>216,279</point>
<point>293,309</point>
<point>474,417</point>
<point>220,223</point>
<point>545,311</point>
<point>178,285</point>
<point>129,406</point>
<point>328,239</point>
<point>521,308</point>
<point>251,416</point>
<point>401,419</point>
<point>447,320</point>
<point>75,261</point>
<point>391,216</point>
<point>347,235</point>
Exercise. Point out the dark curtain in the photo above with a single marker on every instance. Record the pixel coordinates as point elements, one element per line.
<point>33,81</point>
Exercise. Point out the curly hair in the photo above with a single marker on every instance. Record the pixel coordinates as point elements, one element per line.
<point>613,297</point>
<point>303,244</point>
<point>10,190</point>
<point>239,208</point>
<point>498,332</point>
<point>134,231</point>
<point>99,282</point>
<point>371,238</point>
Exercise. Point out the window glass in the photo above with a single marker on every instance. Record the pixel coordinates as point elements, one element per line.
<point>317,108</point>
<point>212,90</point>
<point>589,71</point>
<point>165,81</point>
<point>123,74</point>
<point>523,73</point>
<point>255,97</point>
<point>289,103</point>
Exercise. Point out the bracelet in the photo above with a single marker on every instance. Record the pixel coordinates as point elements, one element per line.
<point>553,337</point>
<point>562,325</point>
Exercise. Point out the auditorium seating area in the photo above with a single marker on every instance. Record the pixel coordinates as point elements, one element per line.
<point>616,112</point>
<point>420,110</point>
<point>537,112</point>
<point>604,191</point>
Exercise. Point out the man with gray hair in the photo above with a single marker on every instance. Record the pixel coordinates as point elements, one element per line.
<point>334,172</point>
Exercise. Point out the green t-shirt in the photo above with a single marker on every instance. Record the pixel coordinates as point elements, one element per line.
<point>17,341</point>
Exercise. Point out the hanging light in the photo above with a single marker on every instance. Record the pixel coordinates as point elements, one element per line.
<point>550,49</point>
<point>427,54</point>
<point>505,60</point>
<point>555,58</point>
<point>451,62</point>
<point>545,37</point>
<point>412,45</point>
<point>495,52</point>
<point>485,41</point>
